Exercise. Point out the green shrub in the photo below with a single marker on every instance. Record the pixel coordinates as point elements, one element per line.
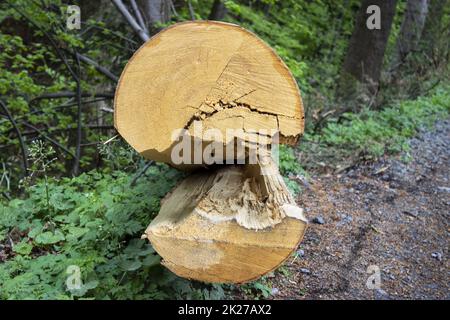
<point>92,222</point>
<point>374,133</point>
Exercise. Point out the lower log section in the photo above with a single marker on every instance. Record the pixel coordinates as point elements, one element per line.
<point>229,225</point>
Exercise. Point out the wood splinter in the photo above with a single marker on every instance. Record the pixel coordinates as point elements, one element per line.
<point>230,223</point>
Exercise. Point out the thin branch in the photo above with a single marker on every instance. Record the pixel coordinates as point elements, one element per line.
<point>46,137</point>
<point>139,17</point>
<point>191,10</point>
<point>6,196</point>
<point>144,170</point>
<point>71,94</point>
<point>98,67</point>
<point>5,177</point>
<point>111,32</point>
<point>58,129</point>
<point>19,136</point>
<point>111,139</point>
<point>76,163</point>
<point>172,7</point>
<point>131,21</point>
<point>66,105</point>
<point>106,109</point>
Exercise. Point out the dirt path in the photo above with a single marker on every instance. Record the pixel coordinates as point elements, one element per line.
<point>389,215</point>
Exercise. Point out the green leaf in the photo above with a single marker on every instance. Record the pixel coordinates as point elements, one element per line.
<point>77,232</point>
<point>35,231</point>
<point>129,265</point>
<point>23,248</point>
<point>91,285</point>
<point>151,260</point>
<point>49,237</point>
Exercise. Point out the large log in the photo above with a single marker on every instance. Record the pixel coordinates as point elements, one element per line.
<point>232,224</point>
<point>223,223</point>
<point>213,72</point>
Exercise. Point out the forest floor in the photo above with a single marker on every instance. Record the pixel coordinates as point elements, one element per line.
<point>389,214</point>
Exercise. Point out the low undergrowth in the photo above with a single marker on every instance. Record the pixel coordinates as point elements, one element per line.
<point>371,134</point>
<point>85,240</point>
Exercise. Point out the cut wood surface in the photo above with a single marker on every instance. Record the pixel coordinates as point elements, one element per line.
<point>213,72</point>
<point>230,223</point>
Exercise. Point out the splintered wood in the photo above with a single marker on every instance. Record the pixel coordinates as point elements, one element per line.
<point>227,223</point>
<point>230,225</point>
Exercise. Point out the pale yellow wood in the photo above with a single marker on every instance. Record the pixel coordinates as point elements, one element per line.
<point>214,72</point>
<point>232,224</point>
<point>220,260</point>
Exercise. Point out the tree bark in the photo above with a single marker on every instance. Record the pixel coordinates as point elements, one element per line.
<point>411,29</point>
<point>218,11</point>
<point>131,20</point>
<point>432,31</point>
<point>155,11</point>
<point>364,58</point>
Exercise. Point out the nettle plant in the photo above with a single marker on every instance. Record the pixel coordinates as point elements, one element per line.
<point>94,222</point>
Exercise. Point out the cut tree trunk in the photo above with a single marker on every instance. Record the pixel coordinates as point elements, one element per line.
<point>223,223</point>
<point>233,224</point>
<point>215,73</point>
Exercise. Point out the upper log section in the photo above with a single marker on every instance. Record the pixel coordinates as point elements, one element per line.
<point>217,73</point>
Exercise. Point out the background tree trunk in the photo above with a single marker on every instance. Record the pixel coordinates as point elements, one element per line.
<point>364,58</point>
<point>411,29</point>
<point>155,11</point>
<point>218,11</point>
<point>432,31</point>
